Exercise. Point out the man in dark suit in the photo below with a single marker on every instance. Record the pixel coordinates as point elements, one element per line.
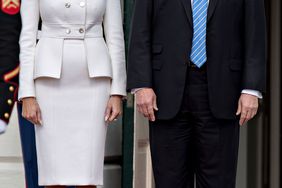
<point>197,68</point>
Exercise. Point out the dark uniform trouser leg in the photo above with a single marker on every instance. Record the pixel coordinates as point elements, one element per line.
<point>194,143</point>
<point>29,150</point>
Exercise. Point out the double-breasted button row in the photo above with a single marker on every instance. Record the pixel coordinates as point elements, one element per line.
<point>10,101</point>
<point>6,115</point>
<point>68,31</point>
<point>11,89</point>
<point>81,4</point>
<point>81,30</point>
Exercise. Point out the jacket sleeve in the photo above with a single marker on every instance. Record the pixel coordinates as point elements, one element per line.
<point>139,56</point>
<point>30,20</point>
<point>113,29</point>
<point>255,46</point>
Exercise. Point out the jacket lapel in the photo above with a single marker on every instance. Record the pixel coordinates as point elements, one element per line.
<point>188,9</point>
<point>212,6</point>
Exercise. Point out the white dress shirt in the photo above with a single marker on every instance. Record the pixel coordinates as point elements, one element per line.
<point>245,91</point>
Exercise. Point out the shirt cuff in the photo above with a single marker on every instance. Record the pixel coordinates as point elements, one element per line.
<point>133,91</point>
<point>252,92</point>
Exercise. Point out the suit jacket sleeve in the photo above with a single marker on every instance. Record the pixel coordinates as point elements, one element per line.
<point>139,57</point>
<point>113,29</point>
<point>30,19</point>
<point>255,46</point>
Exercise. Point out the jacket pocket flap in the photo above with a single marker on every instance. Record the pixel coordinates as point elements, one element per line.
<point>48,58</point>
<point>98,58</point>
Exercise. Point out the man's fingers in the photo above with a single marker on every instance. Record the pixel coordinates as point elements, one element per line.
<point>239,110</point>
<point>155,104</point>
<point>255,113</point>
<point>243,117</point>
<point>252,115</point>
<point>139,109</point>
<point>247,106</point>
<point>146,103</point>
<point>151,114</point>
<point>247,114</point>
<point>242,121</point>
<point>145,110</point>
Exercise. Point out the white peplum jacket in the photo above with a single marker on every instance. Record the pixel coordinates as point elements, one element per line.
<point>98,23</point>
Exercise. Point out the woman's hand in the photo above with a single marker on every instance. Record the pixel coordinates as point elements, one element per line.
<point>31,111</point>
<point>114,108</point>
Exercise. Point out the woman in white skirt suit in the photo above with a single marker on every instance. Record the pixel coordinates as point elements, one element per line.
<point>71,84</point>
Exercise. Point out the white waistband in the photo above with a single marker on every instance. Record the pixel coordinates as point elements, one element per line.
<point>71,32</point>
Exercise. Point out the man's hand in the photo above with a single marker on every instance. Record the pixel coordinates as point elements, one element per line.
<point>146,103</point>
<point>247,107</point>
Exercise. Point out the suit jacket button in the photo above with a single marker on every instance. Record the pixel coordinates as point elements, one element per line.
<point>10,102</point>
<point>81,30</point>
<point>67,5</point>
<point>11,88</point>
<point>6,115</point>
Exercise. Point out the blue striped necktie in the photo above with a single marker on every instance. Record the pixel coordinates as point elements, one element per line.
<point>199,52</point>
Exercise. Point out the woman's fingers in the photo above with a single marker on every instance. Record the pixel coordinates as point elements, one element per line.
<point>108,112</point>
<point>30,116</point>
<point>39,116</point>
<point>114,115</point>
<point>114,109</point>
<point>115,112</point>
<point>34,117</point>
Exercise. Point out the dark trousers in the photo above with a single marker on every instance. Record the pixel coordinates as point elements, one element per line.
<point>195,145</point>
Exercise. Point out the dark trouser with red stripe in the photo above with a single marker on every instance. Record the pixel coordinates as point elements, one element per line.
<point>29,150</point>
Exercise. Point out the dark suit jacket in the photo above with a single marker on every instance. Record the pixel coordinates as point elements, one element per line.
<point>160,46</point>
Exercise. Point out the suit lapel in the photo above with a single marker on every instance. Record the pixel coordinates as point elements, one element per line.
<point>212,6</point>
<point>188,9</point>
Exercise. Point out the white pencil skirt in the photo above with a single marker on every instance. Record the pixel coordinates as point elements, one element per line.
<point>71,141</point>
